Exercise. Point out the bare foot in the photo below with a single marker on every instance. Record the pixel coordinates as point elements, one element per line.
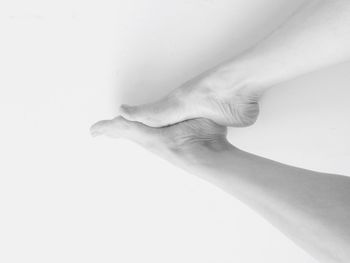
<point>187,139</point>
<point>216,96</point>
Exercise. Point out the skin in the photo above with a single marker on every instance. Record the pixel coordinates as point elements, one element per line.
<point>311,208</point>
<point>315,36</point>
<point>188,128</point>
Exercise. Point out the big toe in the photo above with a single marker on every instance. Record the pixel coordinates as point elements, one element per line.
<point>162,113</point>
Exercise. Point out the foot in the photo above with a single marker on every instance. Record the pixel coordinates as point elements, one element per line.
<point>213,96</point>
<point>184,141</point>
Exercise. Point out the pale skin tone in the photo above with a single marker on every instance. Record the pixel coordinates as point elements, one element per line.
<point>311,208</point>
<point>188,128</point>
<point>316,36</point>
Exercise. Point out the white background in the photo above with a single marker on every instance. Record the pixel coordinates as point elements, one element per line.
<point>65,197</point>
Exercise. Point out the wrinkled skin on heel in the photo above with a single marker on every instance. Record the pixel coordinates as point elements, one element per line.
<point>186,139</point>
